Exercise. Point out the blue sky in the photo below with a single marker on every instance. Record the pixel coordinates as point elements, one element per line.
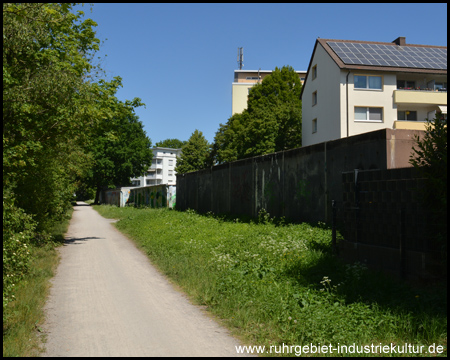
<point>180,58</point>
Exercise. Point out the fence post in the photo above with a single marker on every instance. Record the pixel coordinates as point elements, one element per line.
<point>402,243</point>
<point>357,206</point>
<point>333,226</point>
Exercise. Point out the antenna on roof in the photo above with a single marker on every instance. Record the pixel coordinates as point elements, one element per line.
<point>240,57</point>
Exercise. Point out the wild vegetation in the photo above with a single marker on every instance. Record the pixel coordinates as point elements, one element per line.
<point>22,317</point>
<point>57,112</point>
<point>275,283</point>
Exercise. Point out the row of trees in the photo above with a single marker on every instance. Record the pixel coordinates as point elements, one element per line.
<point>64,130</point>
<point>272,122</point>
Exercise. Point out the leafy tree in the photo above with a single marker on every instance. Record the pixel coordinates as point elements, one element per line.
<point>121,151</point>
<point>49,105</point>
<point>54,106</point>
<point>430,158</point>
<point>227,144</point>
<point>194,155</point>
<point>271,122</point>
<point>171,143</point>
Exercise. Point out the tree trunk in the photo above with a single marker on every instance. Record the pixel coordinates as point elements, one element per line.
<point>97,195</point>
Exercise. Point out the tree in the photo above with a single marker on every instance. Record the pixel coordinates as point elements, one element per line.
<point>51,108</point>
<point>227,144</point>
<point>430,158</point>
<point>271,122</point>
<point>194,155</point>
<point>171,143</point>
<point>49,105</point>
<point>121,150</point>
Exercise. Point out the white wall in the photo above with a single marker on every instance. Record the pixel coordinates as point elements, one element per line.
<point>328,108</point>
<point>163,166</point>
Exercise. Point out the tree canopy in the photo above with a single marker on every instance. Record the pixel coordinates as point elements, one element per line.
<point>171,143</point>
<point>272,121</point>
<point>430,158</point>
<point>194,155</point>
<point>121,150</point>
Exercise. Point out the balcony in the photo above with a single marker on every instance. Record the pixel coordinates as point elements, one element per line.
<point>409,125</point>
<point>426,97</point>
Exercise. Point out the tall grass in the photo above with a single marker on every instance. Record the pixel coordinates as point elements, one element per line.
<point>279,283</point>
<point>21,331</point>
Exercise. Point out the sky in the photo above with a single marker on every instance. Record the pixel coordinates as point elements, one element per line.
<point>179,59</point>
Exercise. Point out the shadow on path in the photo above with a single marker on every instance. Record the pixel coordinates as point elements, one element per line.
<point>68,241</point>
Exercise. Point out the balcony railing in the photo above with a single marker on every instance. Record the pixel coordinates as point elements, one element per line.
<point>416,96</point>
<point>409,125</point>
<point>423,89</point>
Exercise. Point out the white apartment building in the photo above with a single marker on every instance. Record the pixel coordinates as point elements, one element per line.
<point>354,87</point>
<point>244,80</point>
<point>162,170</point>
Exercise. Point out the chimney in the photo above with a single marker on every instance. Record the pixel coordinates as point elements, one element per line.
<point>401,41</point>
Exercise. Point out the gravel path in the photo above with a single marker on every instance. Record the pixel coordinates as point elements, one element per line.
<point>108,300</point>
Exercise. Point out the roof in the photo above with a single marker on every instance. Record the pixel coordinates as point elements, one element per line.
<point>268,71</point>
<point>424,59</point>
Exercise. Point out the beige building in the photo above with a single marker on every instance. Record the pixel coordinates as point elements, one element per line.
<point>354,87</point>
<point>243,81</point>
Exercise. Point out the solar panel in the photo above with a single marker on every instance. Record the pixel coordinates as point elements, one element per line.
<point>389,55</point>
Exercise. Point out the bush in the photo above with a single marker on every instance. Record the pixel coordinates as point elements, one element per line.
<point>18,232</point>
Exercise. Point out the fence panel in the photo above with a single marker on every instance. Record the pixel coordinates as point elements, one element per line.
<point>384,222</point>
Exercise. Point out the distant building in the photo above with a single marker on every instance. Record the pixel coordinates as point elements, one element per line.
<point>162,170</point>
<point>243,81</point>
<point>354,87</point>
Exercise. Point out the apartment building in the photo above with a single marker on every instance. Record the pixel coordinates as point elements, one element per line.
<point>243,81</point>
<point>354,87</point>
<point>162,170</point>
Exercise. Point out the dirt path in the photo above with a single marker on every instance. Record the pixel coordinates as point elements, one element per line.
<point>108,300</point>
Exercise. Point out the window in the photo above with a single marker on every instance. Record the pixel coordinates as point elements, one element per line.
<point>407,115</point>
<point>406,84</point>
<point>136,183</point>
<point>171,162</point>
<point>314,98</point>
<point>368,82</point>
<point>170,172</point>
<point>314,72</point>
<point>440,86</point>
<point>368,114</point>
<point>314,126</point>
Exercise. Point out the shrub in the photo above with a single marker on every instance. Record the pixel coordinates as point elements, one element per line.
<point>18,232</point>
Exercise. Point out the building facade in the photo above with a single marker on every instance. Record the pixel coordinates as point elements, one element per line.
<point>243,81</point>
<point>354,87</point>
<point>162,170</point>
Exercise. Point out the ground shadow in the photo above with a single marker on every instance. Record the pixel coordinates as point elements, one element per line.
<point>359,284</point>
<point>81,204</point>
<point>70,240</point>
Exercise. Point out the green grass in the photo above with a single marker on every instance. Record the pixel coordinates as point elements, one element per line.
<point>280,284</point>
<point>21,331</point>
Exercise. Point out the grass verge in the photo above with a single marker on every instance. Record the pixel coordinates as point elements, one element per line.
<point>21,331</point>
<point>274,284</point>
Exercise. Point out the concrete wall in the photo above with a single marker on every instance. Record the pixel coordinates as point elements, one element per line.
<point>298,184</point>
<point>117,197</point>
<point>157,196</point>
